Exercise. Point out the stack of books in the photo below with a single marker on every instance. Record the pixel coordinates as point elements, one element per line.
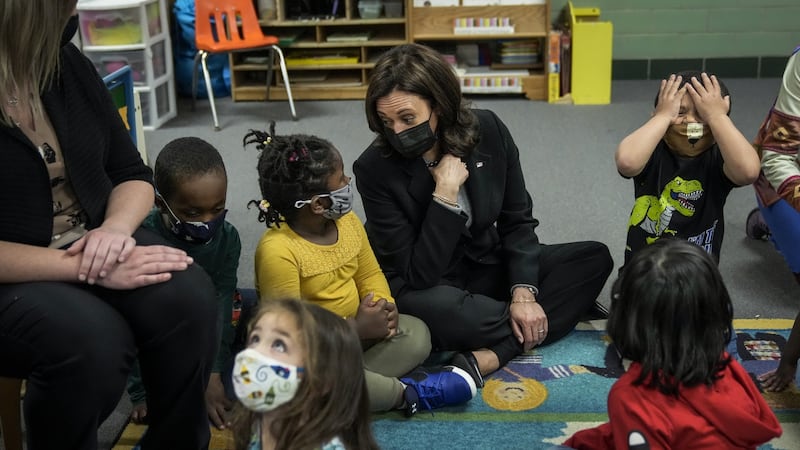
<point>524,52</point>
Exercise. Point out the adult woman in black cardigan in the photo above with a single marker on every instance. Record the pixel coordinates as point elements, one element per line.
<point>82,287</point>
<point>450,220</point>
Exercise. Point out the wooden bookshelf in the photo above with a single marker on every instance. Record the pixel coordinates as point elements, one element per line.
<point>303,40</point>
<point>435,26</point>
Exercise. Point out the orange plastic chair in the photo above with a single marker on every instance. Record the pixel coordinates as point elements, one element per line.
<point>223,26</point>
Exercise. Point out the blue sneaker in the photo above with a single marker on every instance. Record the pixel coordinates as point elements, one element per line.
<point>434,389</point>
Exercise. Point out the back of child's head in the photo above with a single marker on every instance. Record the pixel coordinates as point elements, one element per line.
<point>671,312</point>
<point>290,168</point>
<point>331,400</point>
<point>184,159</point>
<point>686,77</point>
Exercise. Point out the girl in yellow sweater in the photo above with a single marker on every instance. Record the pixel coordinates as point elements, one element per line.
<point>315,248</point>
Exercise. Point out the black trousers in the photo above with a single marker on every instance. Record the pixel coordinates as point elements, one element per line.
<point>472,311</point>
<point>75,344</point>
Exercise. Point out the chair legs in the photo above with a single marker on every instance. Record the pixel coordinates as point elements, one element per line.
<point>9,413</point>
<point>286,83</point>
<point>209,88</point>
<point>201,58</point>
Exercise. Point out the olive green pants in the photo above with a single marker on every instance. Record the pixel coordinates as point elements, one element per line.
<point>391,358</point>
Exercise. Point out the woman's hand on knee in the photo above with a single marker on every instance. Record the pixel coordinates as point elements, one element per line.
<point>146,265</point>
<point>101,249</point>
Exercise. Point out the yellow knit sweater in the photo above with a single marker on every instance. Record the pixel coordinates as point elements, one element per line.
<point>335,276</point>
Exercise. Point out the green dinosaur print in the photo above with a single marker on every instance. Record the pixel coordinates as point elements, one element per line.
<point>653,214</point>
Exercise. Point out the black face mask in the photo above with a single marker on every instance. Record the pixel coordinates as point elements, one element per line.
<point>414,141</point>
<point>69,30</point>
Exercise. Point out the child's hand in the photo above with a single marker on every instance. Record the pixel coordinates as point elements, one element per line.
<point>139,413</point>
<point>392,317</point>
<point>217,404</point>
<point>669,97</point>
<point>372,320</point>
<point>778,379</point>
<point>707,97</point>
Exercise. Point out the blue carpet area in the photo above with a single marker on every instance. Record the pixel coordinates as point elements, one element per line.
<point>541,398</point>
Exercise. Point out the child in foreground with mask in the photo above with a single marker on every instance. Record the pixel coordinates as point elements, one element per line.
<point>300,383</point>
<point>316,249</point>
<point>684,161</point>
<point>670,316</point>
<point>191,190</point>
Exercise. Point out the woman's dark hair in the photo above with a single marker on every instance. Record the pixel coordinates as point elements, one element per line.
<point>183,159</point>
<point>687,75</point>
<point>332,399</point>
<point>420,70</point>
<point>290,168</point>
<point>671,312</point>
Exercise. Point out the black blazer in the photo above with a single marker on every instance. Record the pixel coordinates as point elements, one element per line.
<point>418,242</point>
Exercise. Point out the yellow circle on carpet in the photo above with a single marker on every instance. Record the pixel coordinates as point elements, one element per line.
<point>519,395</point>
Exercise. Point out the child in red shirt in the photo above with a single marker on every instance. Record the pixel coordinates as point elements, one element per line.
<point>671,316</point>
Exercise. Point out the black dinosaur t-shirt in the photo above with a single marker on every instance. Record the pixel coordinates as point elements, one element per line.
<point>679,197</point>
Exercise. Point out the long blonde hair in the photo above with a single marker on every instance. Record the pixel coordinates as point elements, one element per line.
<point>30,41</point>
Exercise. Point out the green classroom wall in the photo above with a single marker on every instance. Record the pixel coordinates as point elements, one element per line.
<point>733,38</point>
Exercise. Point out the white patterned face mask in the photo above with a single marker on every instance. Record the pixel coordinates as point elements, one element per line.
<point>263,383</point>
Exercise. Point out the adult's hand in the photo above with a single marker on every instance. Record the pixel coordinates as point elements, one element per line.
<point>217,404</point>
<point>449,175</point>
<point>146,265</point>
<point>102,248</point>
<point>528,320</point>
<point>372,318</point>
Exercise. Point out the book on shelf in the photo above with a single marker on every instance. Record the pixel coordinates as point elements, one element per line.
<point>345,36</point>
<point>319,59</point>
<point>287,38</point>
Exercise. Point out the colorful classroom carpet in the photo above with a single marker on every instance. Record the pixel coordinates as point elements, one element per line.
<point>541,398</point>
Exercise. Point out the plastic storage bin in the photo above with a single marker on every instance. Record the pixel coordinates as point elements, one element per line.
<point>118,22</point>
<point>368,9</point>
<point>108,62</point>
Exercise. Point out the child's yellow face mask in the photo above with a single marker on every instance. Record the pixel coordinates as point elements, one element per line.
<point>689,139</point>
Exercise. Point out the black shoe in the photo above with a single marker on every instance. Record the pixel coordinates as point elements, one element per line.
<point>755,226</point>
<point>597,312</point>
<point>466,361</point>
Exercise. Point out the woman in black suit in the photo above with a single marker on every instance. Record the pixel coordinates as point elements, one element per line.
<point>449,218</point>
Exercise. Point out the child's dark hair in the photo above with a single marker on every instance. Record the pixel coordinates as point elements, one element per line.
<point>332,399</point>
<point>671,312</point>
<point>183,159</point>
<point>687,75</point>
<point>290,168</point>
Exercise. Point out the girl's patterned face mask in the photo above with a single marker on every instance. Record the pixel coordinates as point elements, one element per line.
<point>263,383</point>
